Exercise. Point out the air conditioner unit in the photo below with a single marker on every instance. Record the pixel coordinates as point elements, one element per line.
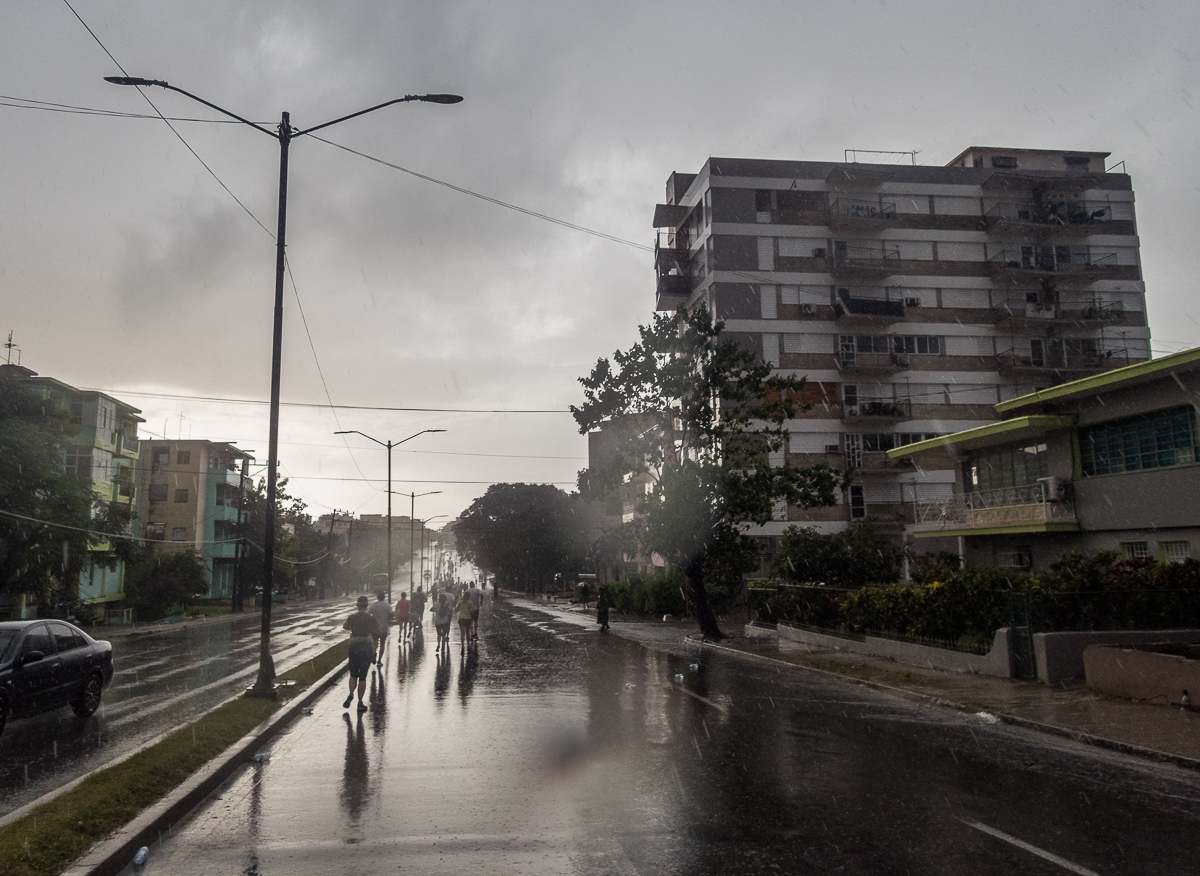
<point>851,410</point>
<point>808,308</point>
<point>912,302</point>
<point>833,448</point>
<point>819,252</point>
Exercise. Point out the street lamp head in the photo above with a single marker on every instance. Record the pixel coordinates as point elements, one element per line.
<point>134,80</point>
<point>440,98</point>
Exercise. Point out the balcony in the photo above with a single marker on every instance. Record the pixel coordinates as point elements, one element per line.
<point>1030,508</point>
<point>863,261</point>
<point>853,362</point>
<point>128,444</point>
<point>868,412</point>
<point>673,268</point>
<point>1054,362</point>
<point>1022,311</point>
<point>1065,264</point>
<point>868,462</point>
<point>1026,218</point>
<point>860,214</point>
<point>849,310</point>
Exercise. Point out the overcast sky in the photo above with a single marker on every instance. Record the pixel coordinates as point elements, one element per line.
<point>125,266</point>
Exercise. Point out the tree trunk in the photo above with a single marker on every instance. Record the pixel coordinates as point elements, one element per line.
<point>705,616</point>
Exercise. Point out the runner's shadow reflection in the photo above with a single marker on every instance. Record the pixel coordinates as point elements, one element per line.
<point>467,666</point>
<point>355,771</point>
<point>377,699</point>
<point>441,678</point>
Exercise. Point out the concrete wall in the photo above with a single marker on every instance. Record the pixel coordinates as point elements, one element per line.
<point>1059,656</point>
<point>998,661</point>
<point>1141,675</point>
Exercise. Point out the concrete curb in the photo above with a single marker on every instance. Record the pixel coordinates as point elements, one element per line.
<point>1014,720</point>
<point>112,855</point>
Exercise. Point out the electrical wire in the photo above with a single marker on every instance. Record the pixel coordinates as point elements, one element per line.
<point>106,536</point>
<point>488,198</point>
<point>24,103</point>
<point>211,172</point>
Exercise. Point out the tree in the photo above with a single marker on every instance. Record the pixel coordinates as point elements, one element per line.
<point>163,580</point>
<point>524,533</point>
<point>852,558</point>
<point>49,517</point>
<point>699,415</point>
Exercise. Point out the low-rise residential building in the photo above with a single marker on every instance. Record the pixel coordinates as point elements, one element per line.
<point>1109,462</point>
<point>105,453</point>
<point>193,498</point>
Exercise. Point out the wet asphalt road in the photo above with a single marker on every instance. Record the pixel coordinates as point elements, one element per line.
<point>554,750</point>
<point>162,681</point>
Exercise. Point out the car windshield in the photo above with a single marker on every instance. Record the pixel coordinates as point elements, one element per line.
<point>6,640</point>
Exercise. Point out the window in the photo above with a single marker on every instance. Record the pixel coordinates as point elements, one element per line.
<point>1020,557</point>
<point>1174,551</point>
<point>1135,550</point>
<point>156,531</point>
<point>183,457</point>
<point>1158,440</point>
<point>1007,161</point>
<point>1000,468</point>
<point>161,456</point>
<point>858,504</point>
<point>64,637</point>
<point>181,496</point>
<point>179,533</point>
<point>158,492</point>
<point>79,461</point>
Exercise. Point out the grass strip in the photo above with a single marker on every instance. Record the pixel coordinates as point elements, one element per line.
<point>49,838</point>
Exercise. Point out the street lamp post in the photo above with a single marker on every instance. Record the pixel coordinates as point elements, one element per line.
<point>389,445</point>
<point>423,522</point>
<point>264,684</point>
<point>412,536</point>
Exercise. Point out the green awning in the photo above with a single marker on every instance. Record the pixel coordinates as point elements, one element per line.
<point>1002,432</point>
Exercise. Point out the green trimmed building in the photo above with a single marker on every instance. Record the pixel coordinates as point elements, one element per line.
<point>1109,462</point>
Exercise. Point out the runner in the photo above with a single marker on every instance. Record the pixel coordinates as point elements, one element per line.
<point>416,616</point>
<point>403,612</point>
<point>443,611</point>
<point>362,629</point>
<point>464,620</point>
<point>382,612</point>
<point>476,596</point>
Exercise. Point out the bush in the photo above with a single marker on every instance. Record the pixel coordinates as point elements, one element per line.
<point>654,594</point>
<point>165,582</point>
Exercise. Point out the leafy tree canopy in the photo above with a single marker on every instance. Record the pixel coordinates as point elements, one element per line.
<point>698,415</point>
<point>854,557</point>
<point>164,580</point>
<point>49,518</point>
<point>524,533</point>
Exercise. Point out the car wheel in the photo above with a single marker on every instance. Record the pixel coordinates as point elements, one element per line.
<point>89,697</point>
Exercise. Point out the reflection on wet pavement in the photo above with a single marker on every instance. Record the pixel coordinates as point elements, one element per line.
<point>551,750</point>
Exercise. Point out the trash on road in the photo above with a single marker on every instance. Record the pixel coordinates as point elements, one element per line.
<point>679,677</point>
<point>987,717</point>
<point>140,858</point>
<point>694,667</point>
<point>261,757</point>
<point>628,685</point>
<point>307,710</point>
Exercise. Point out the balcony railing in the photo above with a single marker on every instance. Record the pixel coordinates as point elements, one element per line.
<point>867,310</point>
<point>877,410</point>
<point>851,360</point>
<point>1048,214</point>
<point>1020,360</point>
<point>672,265</point>
<point>1022,309</point>
<point>865,259</point>
<point>860,213</point>
<point>1012,506</point>
<point>1080,262</point>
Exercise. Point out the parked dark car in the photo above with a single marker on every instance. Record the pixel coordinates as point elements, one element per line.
<point>46,664</point>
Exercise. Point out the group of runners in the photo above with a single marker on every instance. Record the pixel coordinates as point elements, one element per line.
<point>369,626</point>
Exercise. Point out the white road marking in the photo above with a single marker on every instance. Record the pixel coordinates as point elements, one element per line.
<point>704,700</point>
<point>1032,849</point>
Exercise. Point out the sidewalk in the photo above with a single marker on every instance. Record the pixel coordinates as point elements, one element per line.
<point>1073,711</point>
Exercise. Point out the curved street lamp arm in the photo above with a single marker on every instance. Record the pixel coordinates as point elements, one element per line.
<point>365,435</point>
<point>427,98</point>
<point>422,432</point>
<point>134,80</point>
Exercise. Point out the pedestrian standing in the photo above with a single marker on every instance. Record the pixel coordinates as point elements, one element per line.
<point>403,612</point>
<point>363,630</point>
<point>584,594</point>
<point>464,620</point>
<point>603,604</point>
<point>475,595</point>
<point>382,612</point>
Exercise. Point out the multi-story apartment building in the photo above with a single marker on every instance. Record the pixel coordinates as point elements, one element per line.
<point>105,453</point>
<point>193,492</point>
<point>913,298</point>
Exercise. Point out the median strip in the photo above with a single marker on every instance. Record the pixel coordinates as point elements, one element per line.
<point>48,838</point>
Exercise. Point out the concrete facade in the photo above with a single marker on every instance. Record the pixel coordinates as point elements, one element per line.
<point>1059,656</point>
<point>1120,471</point>
<point>913,298</point>
<point>193,493</point>
<point>1144,674</point>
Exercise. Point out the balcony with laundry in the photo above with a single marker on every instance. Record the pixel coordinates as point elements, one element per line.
<point>862,214</point>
